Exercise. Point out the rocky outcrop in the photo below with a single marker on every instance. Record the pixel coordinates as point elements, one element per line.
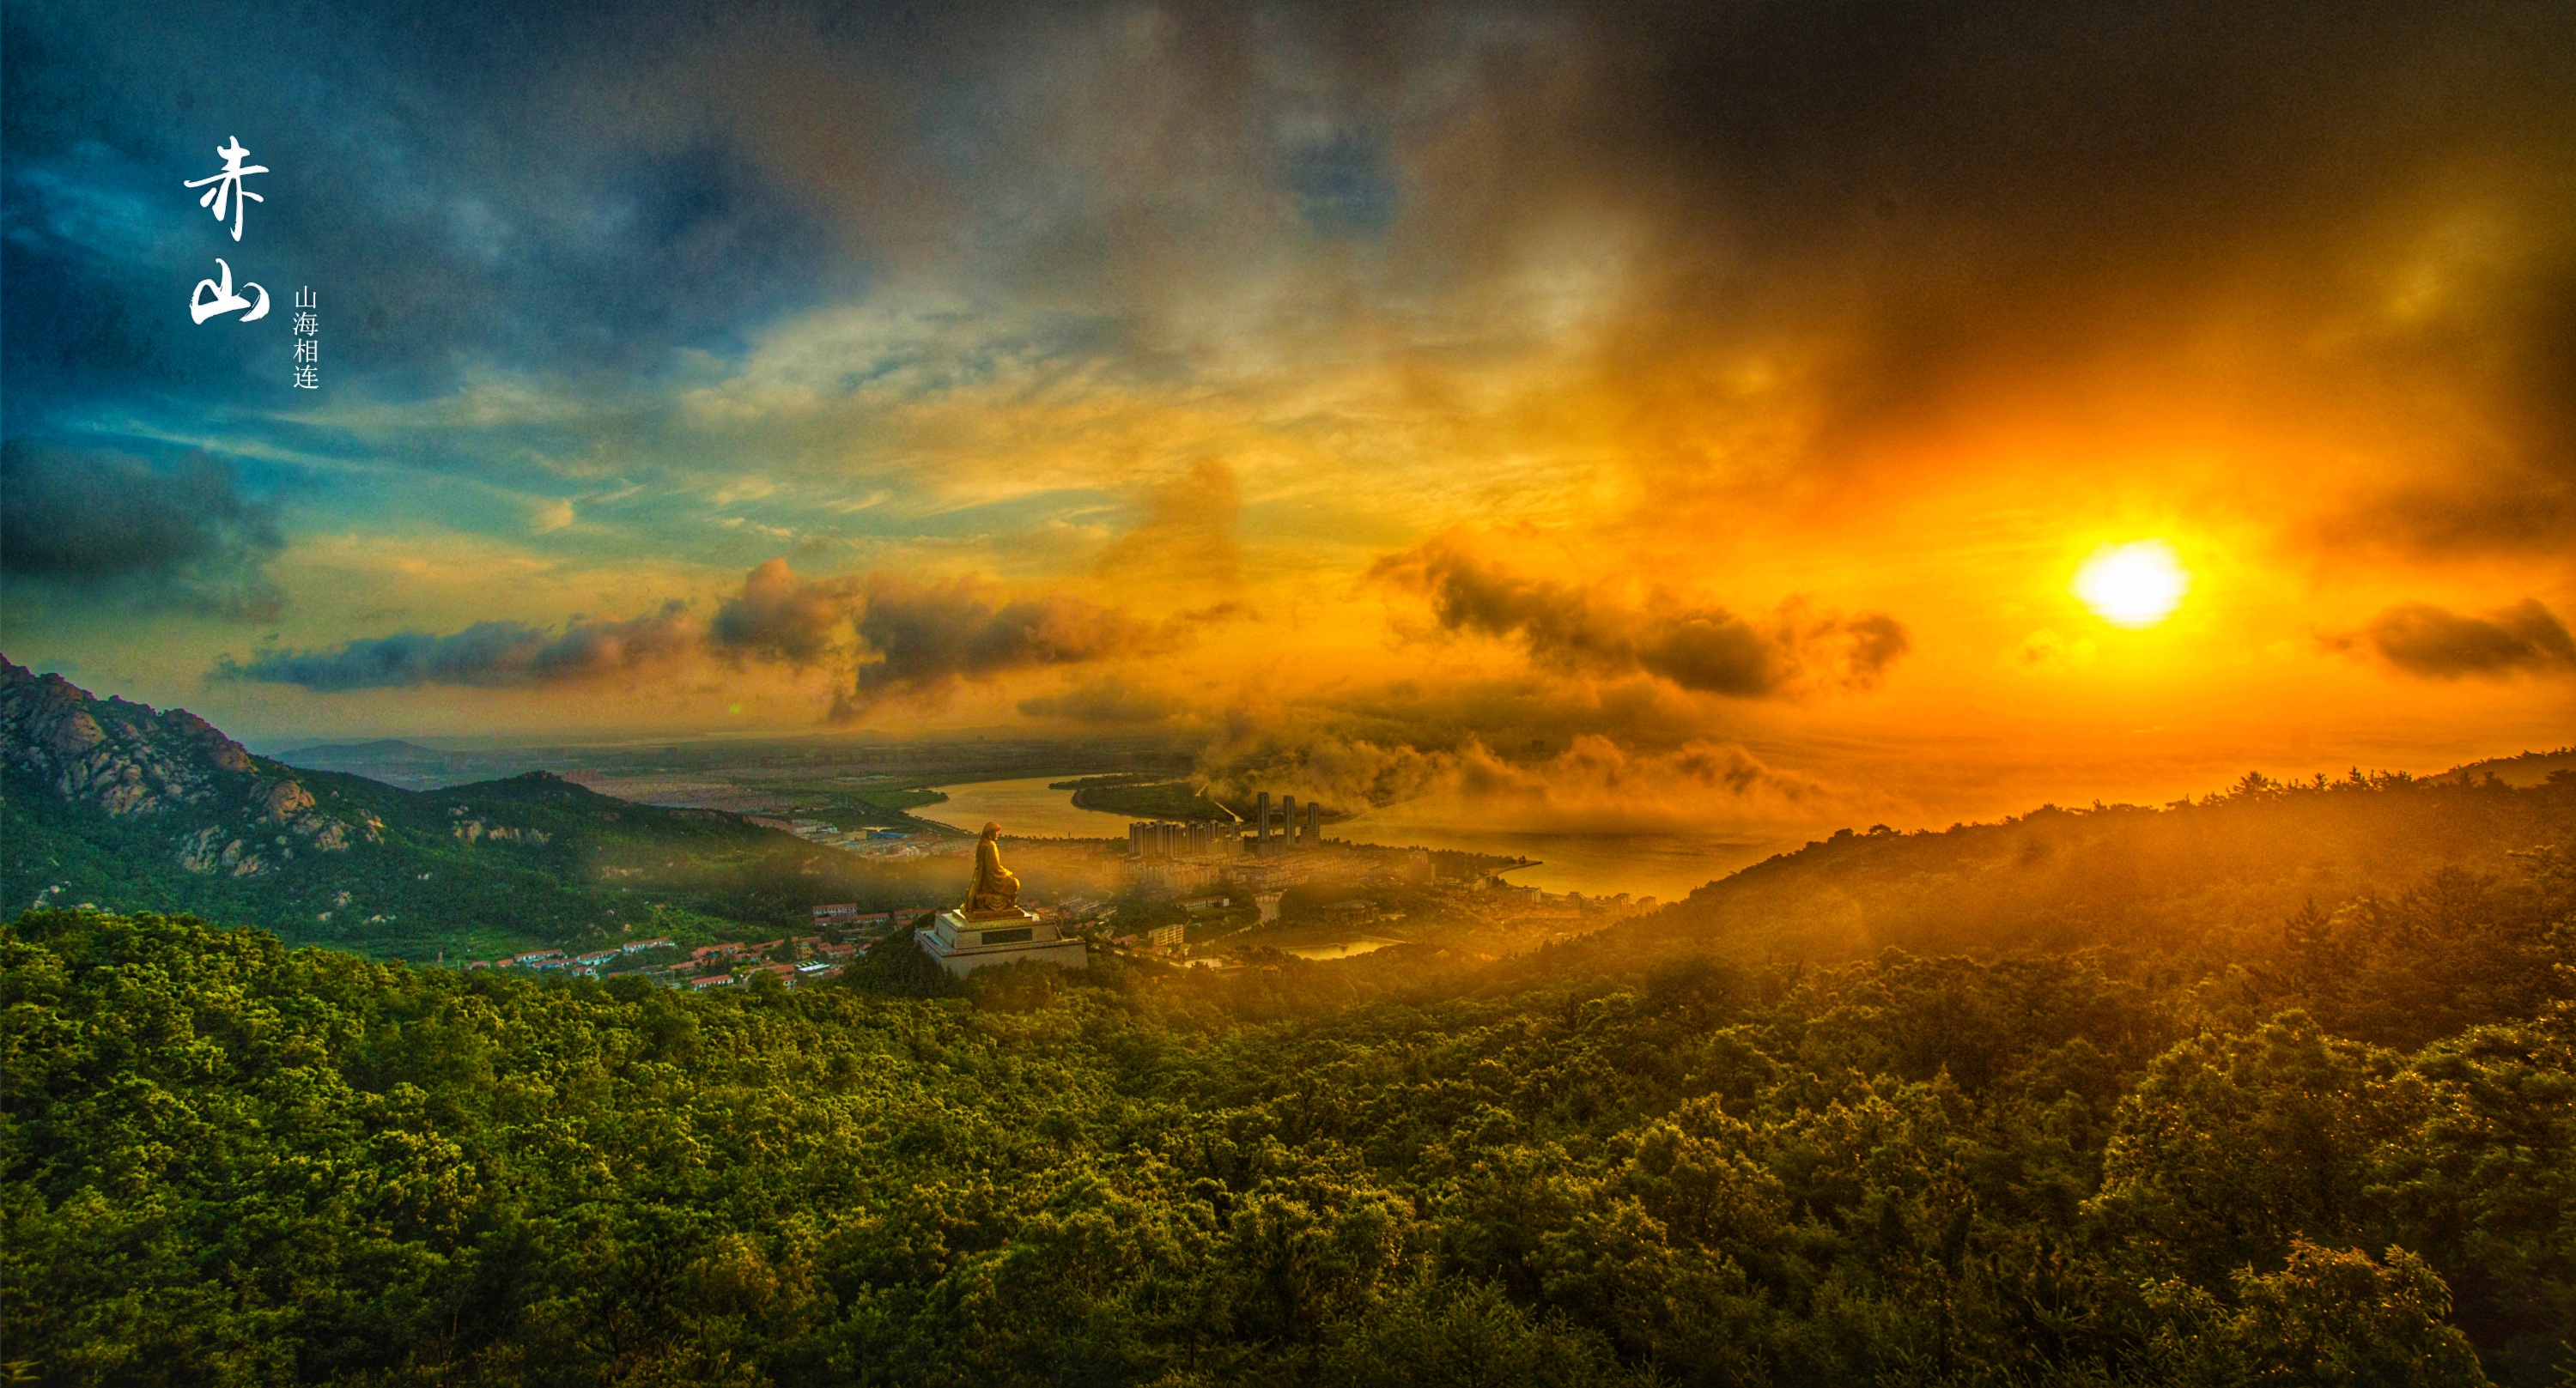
<point>132,759</point>
<point>200,851</point>
<point>124,758</point>
<point>284,802</point>
<point>475,831</point>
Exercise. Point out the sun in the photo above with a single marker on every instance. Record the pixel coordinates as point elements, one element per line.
<point>2133,585</point>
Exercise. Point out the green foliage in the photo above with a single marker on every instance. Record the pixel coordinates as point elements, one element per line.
<point>225,1161</point>
<point>566,867</point>
<point>2176,1174</point>
<point>896,967</point>
<point>2327,1319</point>
<point>1173,800</point>
<point>872,806</point>
<point>1155,795</point>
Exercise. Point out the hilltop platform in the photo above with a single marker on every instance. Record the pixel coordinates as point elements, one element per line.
<point>962,946</point>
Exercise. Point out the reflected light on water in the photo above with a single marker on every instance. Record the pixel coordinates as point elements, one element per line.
<point>1370,945</point>
<point>1025,808</point>
<point>1660,865</point>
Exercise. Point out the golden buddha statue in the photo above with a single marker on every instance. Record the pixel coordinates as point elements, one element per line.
<point>996,889</point>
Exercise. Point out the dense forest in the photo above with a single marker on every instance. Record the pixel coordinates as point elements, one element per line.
<point>2337,1147</point>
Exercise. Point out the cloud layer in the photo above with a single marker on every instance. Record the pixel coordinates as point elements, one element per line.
<point>486,655</point>
<point>890,638</point>
<point>1589,782</point>
<point>1591,631</point>
<point>2437,643</point>
<point>923,638</point>
<point>1224,344</point>
<point>179,535</point>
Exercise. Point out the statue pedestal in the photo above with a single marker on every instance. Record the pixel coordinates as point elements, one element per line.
<point>963,945</point>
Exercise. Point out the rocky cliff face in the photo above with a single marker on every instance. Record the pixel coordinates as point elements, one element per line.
<point>131,759</point>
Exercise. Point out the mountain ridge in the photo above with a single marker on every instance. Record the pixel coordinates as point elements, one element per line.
<point>128,807</point>
<point>2210,874</point>
<point>127,759</point>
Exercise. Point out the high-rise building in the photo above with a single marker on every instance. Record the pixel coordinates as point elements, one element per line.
<point>1196,840</point>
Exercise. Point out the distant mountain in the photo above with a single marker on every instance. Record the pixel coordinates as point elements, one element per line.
<point>134,808</point>
<point>412,766</point>
<point>2207,875</point>
<point>380,747</point>
<point>322,756</point>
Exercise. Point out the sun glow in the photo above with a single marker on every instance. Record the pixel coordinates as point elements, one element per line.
<point>2133,585</point>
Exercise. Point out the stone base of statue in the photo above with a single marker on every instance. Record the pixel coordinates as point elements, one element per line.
<point>963,943</point>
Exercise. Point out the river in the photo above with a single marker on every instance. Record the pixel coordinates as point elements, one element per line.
<point>1661,865</point>
<point>1025,808</point>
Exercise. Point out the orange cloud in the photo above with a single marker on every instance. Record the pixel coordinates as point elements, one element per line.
<point>2421,639</point>
<point>1588,630</point>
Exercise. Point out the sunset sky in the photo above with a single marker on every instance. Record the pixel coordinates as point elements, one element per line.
<point>1605,415</point>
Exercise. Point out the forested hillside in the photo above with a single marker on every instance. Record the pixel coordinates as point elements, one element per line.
<point>132,808</point>
<point>2334,1154</point>
<point>2216,874</point>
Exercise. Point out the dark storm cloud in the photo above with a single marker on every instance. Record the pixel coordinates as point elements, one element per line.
<point>2421,639</point>
<point>104,522</point>
<point>489,655</point>
<point>1905,202</point>
<point>1585,631</point>
<point>778,616</point>
<point>463,185</point>
<point>1911,214</point>
<point>904,639</point>
<point>1616,757</point>
<point>2093,134</point>
<point>922,639</point>
<point>898,638</point>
